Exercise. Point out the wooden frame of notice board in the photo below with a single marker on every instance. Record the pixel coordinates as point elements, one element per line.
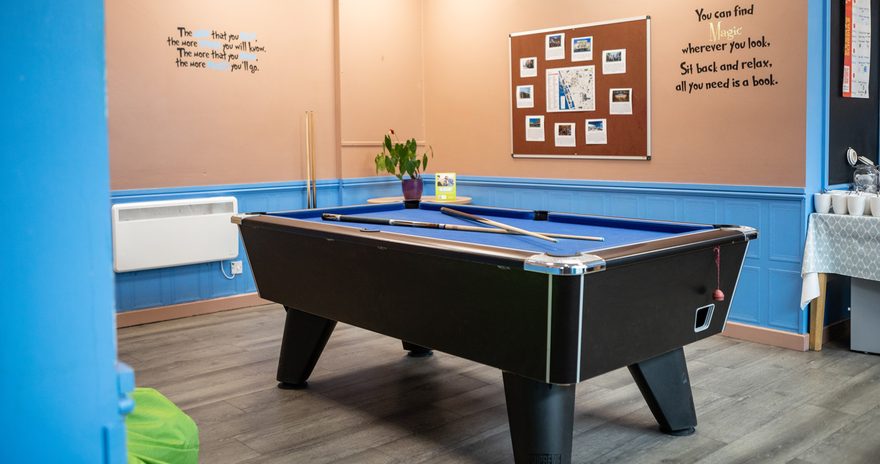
<point>627,136</point>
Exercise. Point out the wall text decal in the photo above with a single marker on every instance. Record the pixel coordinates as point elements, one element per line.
<point>719,63</point>
<point>215,50</point>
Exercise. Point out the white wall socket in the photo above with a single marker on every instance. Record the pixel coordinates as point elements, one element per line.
<point>236,267</point>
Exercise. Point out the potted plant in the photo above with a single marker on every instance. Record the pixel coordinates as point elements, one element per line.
<point>399,159</point>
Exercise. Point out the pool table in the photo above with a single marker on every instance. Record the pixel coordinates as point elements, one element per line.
<point>548,315</point>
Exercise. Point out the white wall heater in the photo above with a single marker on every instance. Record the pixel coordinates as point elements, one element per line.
<point>156,234</point>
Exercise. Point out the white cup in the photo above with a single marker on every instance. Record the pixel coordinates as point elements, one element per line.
<point>855,204</point>
<point>822,202</point>
<point>875,206</point>
<point>838,202</point>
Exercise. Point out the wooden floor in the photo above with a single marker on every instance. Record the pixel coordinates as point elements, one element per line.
<point>369,403</point>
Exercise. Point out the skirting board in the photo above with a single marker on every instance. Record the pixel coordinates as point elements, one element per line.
<point>780,338</point>
<point>195,308</point>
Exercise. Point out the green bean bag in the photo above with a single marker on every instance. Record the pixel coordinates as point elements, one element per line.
<point>158,432</point>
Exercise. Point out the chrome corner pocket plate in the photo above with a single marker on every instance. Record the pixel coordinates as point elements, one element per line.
<point>564,265</point>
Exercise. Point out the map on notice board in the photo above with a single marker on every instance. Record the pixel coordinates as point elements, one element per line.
<point>571,89</point>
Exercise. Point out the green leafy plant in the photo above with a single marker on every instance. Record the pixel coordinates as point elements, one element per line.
<point>398,158</point>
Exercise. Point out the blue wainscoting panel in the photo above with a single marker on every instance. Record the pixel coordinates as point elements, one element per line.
<point>767,295</point>
<point>781,216</point>
<point>747,298</point>
<point>784,292</point>
<point>625,205</point>
<point>660,207</point>
<point>700,210</point>
<point>745,213</point>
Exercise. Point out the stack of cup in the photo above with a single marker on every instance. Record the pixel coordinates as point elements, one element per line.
<point>822,202</point>
<point>855,204</point>
<point>838,201</point>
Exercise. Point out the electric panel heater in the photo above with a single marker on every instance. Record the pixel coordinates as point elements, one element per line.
<point>157,234</point>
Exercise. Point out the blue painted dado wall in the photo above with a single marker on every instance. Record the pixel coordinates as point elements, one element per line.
<point>767,296</point>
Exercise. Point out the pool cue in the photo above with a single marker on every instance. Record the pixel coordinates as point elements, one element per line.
<point>500,225</point>
<point>434,225</point>
<point>311,161</point>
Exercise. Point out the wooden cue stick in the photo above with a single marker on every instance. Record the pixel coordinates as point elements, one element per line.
<point>500,225</point>
<point>313,159</point>
<point>309,202</point>
<point>434,225</point>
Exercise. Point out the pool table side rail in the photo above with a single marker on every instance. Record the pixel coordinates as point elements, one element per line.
<point>594,261</point>
<point>655,225</point>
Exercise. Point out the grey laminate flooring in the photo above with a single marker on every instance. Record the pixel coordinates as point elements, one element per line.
<point>369,403</point>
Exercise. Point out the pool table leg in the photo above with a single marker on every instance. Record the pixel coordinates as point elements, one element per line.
<point>541,418</point>
<point>664,382</point>
<point>416,351</point>
<point>305,336</point>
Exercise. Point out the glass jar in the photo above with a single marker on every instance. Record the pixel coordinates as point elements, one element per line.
<point>865,179</point>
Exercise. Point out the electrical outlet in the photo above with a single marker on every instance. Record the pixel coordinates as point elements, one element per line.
<point>236,267</point>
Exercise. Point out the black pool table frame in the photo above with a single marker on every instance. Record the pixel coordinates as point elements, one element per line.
<point>546,322</point>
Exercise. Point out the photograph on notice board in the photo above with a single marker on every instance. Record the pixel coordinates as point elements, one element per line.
<point>525,96</point>
<point>582,49</point>
<point>534,128</point>
<point>621,101</point>
<point>564,134</point>
<point>571,89</point>
<point>554,46</point>
<point>596,132</point>
<point>614,61</point>
<point>528,67</point>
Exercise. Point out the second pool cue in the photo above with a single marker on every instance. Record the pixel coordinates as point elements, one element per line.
<point>434,225</point>
<point>500,225</point>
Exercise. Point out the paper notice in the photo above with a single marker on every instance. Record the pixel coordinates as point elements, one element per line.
<point>525,96</point>
<point>596,132</point>
<point>565,134</point>
<point>857,49</point>
<point>614,61</point>
<point>554,46</point>
<point>534,128</point>
<point>621,101</point>
<point>528,67</point>
<point>582,49</point>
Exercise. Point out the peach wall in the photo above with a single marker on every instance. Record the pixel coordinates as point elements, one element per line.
<point>173,127</point>
<point>750,137</point>
<point>380,75</point>
<point>439,74</point>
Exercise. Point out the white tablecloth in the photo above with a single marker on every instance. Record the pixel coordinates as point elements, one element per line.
<point>840,244</point>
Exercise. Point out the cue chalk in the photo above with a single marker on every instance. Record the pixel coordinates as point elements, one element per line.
<point>500,225</point>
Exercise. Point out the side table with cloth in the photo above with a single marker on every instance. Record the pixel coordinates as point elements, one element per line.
<point>836,244</point>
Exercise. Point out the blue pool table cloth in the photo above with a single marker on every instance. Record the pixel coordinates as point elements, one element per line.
<point>615,231</point>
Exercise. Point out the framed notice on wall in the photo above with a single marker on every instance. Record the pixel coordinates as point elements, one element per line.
<point>582,92</point>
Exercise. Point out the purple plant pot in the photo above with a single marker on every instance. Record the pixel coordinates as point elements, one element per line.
<point>412,189</point>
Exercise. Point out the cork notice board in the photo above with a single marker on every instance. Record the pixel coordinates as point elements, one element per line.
<point>581,82</point>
